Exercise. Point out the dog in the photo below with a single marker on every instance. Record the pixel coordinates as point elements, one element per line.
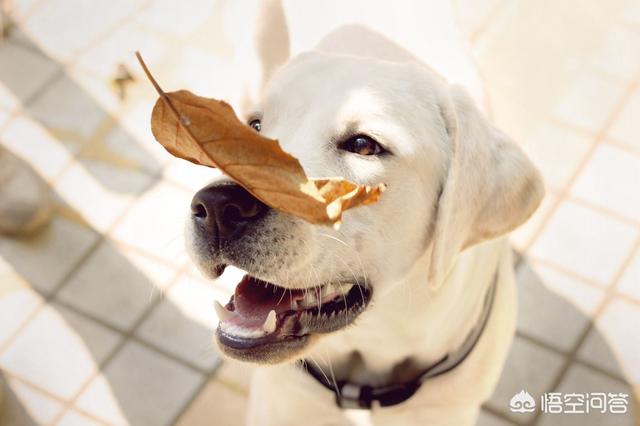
<point>407,311</point>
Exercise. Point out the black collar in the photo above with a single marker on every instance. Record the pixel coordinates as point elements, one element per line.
<point>351,395</point>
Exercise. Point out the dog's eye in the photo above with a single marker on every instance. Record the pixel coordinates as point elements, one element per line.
<point>362,145</point>
<point>255,125</point>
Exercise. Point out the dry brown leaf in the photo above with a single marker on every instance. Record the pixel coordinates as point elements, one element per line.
<point>208,132</point>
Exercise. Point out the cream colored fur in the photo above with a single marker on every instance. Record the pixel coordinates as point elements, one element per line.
<point>431,246</point>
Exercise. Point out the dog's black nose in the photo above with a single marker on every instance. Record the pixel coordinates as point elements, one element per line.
<point>225,209</point>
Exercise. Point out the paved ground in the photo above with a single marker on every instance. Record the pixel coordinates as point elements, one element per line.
<point>104,322</point>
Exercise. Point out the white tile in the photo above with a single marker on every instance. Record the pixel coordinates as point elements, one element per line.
<point>134,123</point>
<point>100,192</point>
<point>626,127</point>
<point>22,71</point>
<point>28,139</point>
<point>8,100</point>
<point>582,380</point>
<point>63,27</point>
<point>632,12</point>
<point>74,418</point>
<point>58,350</point>
<point>116,284</point>
<point>236,374</point>
<point>585,242</point>
<point>44,259</point>
<point>583,297</point>
<point>17,301</point>
<point>189,175</point>
<point>184,322</point>
<point>139,387</point>
<point>609,180</point>
<point>103,58</point>
<point>231,407</point>
<point>557,152</point>
<point>24,405</point>
<point>68,111</point>
<point>4,118</point>
<point>472,15</point>
<point>529,367</point>
<point>618,327</point>
<point>547,306</point>
<point>629,283</point>
<point>619,53</point>
<point>589,102</point>
<point>195,67</point>
<point>165,16</point>
<point>155,222</point>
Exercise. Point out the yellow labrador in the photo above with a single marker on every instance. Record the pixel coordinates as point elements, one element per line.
<point>407,312</point>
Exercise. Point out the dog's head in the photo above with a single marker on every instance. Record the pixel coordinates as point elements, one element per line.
<point>453,180</point>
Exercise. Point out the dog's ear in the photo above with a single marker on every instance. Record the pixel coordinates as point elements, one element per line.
<point>491,186</point>
<point>264,51</point>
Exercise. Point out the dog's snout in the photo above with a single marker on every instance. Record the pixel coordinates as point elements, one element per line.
<point>225,209</point>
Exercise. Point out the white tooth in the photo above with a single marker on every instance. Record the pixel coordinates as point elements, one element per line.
<point>294,305</point>
<point>270,323</point>
<point>344,289</point>
<point>310,298</point>
<point>221,311</point>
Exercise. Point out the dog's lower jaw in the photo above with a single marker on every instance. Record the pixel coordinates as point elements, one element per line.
<point>270,353</point>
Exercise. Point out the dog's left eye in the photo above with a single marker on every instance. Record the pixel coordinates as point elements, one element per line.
<point>362,145</point>
<point>255,125</point>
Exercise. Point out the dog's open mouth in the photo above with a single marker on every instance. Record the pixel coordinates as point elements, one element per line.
<point>262,314</point>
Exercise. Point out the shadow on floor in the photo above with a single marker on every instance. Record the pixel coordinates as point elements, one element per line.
<point>50,259</point>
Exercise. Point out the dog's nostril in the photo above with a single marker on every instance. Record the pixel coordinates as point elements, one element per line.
<point>199,211</point>
<point>225,209</point>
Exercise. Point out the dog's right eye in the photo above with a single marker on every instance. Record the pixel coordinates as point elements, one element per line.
<point>255,125</point>
<point>362,145</point>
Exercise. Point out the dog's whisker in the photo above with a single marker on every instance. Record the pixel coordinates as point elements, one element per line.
<point>323,373</point>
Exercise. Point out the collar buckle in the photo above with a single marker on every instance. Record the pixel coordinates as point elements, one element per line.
<point>354,396</point>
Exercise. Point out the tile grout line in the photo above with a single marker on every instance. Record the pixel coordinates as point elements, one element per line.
<point>568,272</point>
<point>551,348</point>
<point>610,140</point>
<point>599,137</point>
<point>125,338</point>
<point>620,217</point>
<point>52,296</point>
<point>47,393</point>
<point>207,377</point>
<point>129,334</point>
<point>610,293</point>
<point>489,21</point>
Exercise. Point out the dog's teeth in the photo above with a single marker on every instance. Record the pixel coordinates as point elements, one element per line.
<point>221,311</point>
<point>270,323</point>
<point>294,305</point>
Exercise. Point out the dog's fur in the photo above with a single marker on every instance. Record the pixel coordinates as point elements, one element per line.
<point>429,248</point>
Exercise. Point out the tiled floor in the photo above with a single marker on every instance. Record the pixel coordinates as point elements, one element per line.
<point>104,322</point>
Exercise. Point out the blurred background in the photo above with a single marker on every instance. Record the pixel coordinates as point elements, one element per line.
<point>104,321</point>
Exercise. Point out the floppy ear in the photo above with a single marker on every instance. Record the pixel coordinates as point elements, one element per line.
<point>490,189</point>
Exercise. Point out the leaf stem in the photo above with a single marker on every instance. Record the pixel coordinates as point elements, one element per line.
<point>184,121</point>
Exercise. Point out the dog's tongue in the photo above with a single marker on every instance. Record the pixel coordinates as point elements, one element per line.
<point>253,299</point>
